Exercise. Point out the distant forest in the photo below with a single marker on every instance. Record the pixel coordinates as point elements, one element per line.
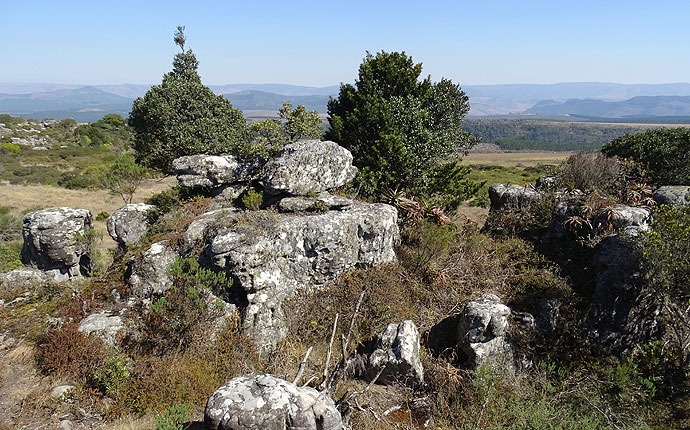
<point>547,135</point>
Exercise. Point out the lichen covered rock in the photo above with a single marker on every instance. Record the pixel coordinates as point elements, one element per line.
<point>397,352</point>
<point>210,171</point>
<point>148,272</point>
<point>54,241</point>
<point>308,166</point>
<point>514,197</point>
<point>129,224</point>
<point>673,195</point>
<point>483,333</point>
<point>260,401</point>
<point>102,325</point>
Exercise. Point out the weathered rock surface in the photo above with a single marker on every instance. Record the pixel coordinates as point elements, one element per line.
<point>483,333</point>
<point>546,182</point>
<point>619,319</point>
<point>148,272</point>
<point>272,256</point>
<point>397,350</point>
<point>308,166</point>
<point>619,217</point>
<point>102,325</point>
<point>673,195</point>
<point>324,201</point>
<point>266,402</point>
<point>52,241</point>
<point>22,278</point>
<point>129,224</point>
<point>511,196</point>
<point>210,171</point>
<point>628,216</point>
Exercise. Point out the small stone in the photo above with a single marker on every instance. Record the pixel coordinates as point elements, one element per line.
<point>61,391</point>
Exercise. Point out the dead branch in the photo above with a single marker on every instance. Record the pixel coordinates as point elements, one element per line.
<point>302,365</point>
<point>328,354</point>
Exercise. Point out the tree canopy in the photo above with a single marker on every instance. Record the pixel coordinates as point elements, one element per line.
<point>183,117</point>
<point>398,126</point>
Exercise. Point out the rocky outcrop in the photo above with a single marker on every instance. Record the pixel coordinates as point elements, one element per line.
<point>673,195</point>
<point>272,256</point>
<point>323,202</point>
<point>148,272</point>
<point>620,319</point>
<point>129,224</point>
<point>211,171</point>
<point>308,166</point>
<point>484,335</point>
<point>22,278</point>
<point>54,241</point>
<point>617,217</point>
<point>266,402</point>
<point>513,197</point>
<point>102,325</point>
<point>397,353</point>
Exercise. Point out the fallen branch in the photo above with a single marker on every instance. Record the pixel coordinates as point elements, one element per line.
<point>302,365</point>
<point>328,354</point>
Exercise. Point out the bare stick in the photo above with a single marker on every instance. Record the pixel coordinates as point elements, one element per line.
<point>302,365</point>
<point>356,394</point>
<point>309,381</point>
<point>354,315</point>
<point>330,351</point>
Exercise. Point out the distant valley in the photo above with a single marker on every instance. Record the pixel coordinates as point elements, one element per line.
<point>568,101</point>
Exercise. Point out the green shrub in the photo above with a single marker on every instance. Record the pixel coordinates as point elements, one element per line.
<point>173,417</point>
<point>9,256</point>
<point>178,319</point>
<point>12,148</point>
<point>102,216</point>
<point>590,171</point>
<point>75,181</point>
<point>252,199</point>
<point>115,372</point>
<point>665,153</point>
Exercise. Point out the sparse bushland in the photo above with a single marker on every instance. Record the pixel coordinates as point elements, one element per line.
<point>182,116</point>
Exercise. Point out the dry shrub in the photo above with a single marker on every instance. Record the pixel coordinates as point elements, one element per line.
<point>590,171</point>
<point>71,353</point>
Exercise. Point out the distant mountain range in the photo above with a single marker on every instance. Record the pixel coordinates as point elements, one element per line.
<point>587,99</point>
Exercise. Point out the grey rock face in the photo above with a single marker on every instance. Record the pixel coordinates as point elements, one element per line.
<point>629,216</point>
<point>129,223</point>
<point>52,241</point>
<point>275,255</point>
<point>103,325</point>
<point>324,201</point>
<point>619,320</point>
<point>210,171</point>
<point>673,195</point>
<point>511,196</point>
<point>484,334</point>
<point>397,350</point>
<point>148,272</point>
<point>266,402</point>
<point>22,278</point>
<point>308,166</point>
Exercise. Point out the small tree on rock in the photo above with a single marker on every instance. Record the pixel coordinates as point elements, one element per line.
<point>182,117</point>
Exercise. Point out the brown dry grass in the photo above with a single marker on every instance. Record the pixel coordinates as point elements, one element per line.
<point>516,159</point>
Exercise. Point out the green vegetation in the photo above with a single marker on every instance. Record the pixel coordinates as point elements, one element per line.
<point>122,177</point>
<point>109,130</point>
<point>397,127</point>
<point>173,417</point>
<point>10,240</point>
<point>252,199</point>
<point>666,266</point>
<point>486,175</point>
<point>182,117</point>
<point>294,124</point>
<point>665,153</point>
<point>545,135</point>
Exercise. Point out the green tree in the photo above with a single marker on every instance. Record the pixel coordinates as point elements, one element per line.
<point>182,117</point>
<point>294,124</point>
<point>122,177</point>
<point>665,152</point>
<point>399,127</point>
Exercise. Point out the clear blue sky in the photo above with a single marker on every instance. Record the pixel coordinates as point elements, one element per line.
<point>322,43</point>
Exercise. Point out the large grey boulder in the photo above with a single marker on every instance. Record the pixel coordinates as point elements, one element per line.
<point>102,325</point>
<point>484,334</point>
<point>210,171</point>
<point>148,273</point>
<point>620,319</point>
<point>53,241</point>
<point>514,197</point>
<point>622,217</point>
<point>260,401</point>
<point>397,352</point>
<point>129,224</point>
<point>323,202</point>
<point>308,166</point>
<point>272,256</point>
<point>673,195</point>
<point>23,277</point>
